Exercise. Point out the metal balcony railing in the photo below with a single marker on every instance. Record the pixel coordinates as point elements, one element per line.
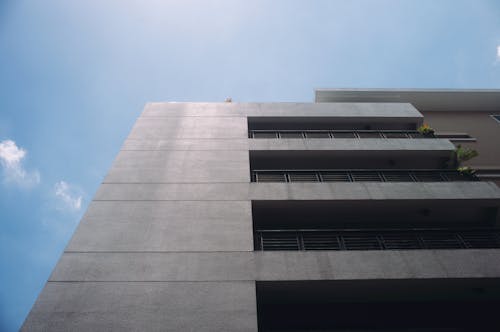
<point>286,134</point>
<point>359,175</point>
<point>385,239</point>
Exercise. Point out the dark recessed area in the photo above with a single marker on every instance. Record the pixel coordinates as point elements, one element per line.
<point>348,160</point>
<point>379,305</point>
<point>343,214</point>
<point>328,123</point>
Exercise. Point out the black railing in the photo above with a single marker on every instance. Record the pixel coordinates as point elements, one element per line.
<point>285,134</point>
<point>386,239</point>
<point>359,175</point>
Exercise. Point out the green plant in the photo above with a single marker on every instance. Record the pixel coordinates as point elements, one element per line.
<point>460,155</point>
<point>466,171</point>
<point>425,130</point>
<point>464,154</point>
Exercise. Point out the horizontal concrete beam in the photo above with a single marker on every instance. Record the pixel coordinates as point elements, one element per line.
<point>285,265</point>
<point>223,144</point>
<point>301,191</point>
<point>340,110</point>
<point>484,191</point>
<point>339,144</point>
<point>365,144</point>
<point>423,99</point>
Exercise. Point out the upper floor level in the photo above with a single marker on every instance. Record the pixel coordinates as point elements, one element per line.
<point>470,117</point>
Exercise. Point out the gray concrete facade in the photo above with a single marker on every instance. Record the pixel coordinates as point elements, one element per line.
<point>167,242</point>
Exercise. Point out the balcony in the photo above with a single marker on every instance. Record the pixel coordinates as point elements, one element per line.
<point>336,134</point>
<point>359,175</point>
<point>376,239</point>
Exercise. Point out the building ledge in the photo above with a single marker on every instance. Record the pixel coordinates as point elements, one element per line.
<point>279,265</point>
<point>480,191</point>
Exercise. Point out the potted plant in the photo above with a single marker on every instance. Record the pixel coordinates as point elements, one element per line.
<point>426,130</point>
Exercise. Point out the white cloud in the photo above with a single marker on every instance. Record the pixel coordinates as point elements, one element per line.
<point>11,159</point>
<point>10,152</point>
<point>69,195</point>
<point>498,53</point>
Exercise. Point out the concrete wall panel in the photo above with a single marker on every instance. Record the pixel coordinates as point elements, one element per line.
<point>158,266</point>
<point>189,128</point>
<point>186,144</point>
<point>164,226</point>
<point>479,125</point>
<point>173,191</point>
<point>180,167</point>
<point>145,306</point>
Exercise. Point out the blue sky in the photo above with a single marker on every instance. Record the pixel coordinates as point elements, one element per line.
<point>74,75</point>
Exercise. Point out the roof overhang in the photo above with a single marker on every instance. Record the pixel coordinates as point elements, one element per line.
<point>422,99</point>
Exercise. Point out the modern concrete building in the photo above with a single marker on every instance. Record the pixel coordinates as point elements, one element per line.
<point>336,215</point>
